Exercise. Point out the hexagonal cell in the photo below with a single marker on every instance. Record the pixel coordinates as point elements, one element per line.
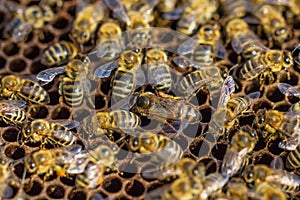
<point>15,152</point>
<point>199,148</point>
<point>11,135</point>
<point>219,151</point>
<point>274,94</point>
<point>2,62</point>
<point>31,52</point>
<point>17,65</point>
<point>211,164</point>
<point>135,188</point>
<point>36,67</point>
<point>47,37</point>
<point>38,112</point>
<point>11,49</point>
<point>60,22</point>
<point>112,184</point>
<point>206,114</point>
<point>34,189</point>
<point>60,113</point>
<point>128,170</point>
<point>55,191</point>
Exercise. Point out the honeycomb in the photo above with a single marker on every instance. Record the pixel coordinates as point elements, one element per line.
<point>23,59</point>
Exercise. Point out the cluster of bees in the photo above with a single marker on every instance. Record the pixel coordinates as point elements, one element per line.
<point>211,26</point>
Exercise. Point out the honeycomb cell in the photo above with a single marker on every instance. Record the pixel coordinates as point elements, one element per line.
<point>17,65</point>
<point>128,170</point>
<point>31,52</point>
<point>199,148</point>
<point>211,164</point>
<point>98,196</point>
<point>2,16</point>
<point>100,102</point>
<point>2,62</point>
<point>273,146</point>
<point>60,23</point>
<point>68,181</point>
<point>283,107</point>
<point>15,152</point>
<point>60,113</point>
<point>274,95</point>
<point>38,112</point>
<point>54,97</point>
<point>77,195</point>
<point>182,141</point>
<point>36,67</point>
<point>55,191</point>
<point>34,189</point>
<point>11,49</point>
<point>112,184</point>
<point>292,80</point>
<point>265,158</point>
<point>11,135</point>
<point>47,37</point>
<point>135,189</point>
<point>206,114</point>
<point>261,104</point>
<point>219,151</point>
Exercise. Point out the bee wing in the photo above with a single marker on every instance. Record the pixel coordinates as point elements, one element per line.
<point>117,7</point>
<point>277,163</point>
<point>187,46</point>
<point>155,73</point>
<point>102,50</point>
<point>288,90</point>
<point>184,63</point>
<point>68,124</point>
<point>219,50</point>
<point>280,2</point>
<point>175,14</point>
<point>291,143</point>
<point>158,192</point>
<point>227,89</point>
<point>79,163</point>
<point>232,161</point>
<point>292,115</point>
<point>21,31</point>
<point>12,105</point>
<point>140,78</point>
<point>68,154</point>
<point>105,70</point>
<point>48,75</point>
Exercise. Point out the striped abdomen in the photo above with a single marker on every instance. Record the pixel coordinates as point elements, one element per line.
<point>204,55</point>
<point>59,53</point>
<point>160,76</point>
<point>33,92</point>
<point>125,119</point>
<point>234,8</point>
<point>62,135</point>
<point>123,85</point>
<point>91,177</point>
<point>191,82</point>
<point>72,91</point>
<point>247,71</point>
<point>14,116</point>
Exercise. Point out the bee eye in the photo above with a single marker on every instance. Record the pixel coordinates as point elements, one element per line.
<point>278,32</point>
<point>261,120</point>
<point>208,29</point>
<point>143,102</point>
<point>287,59</point>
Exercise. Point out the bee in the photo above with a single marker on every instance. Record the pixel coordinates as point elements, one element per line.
<point>242,143</point>
<point>237,189</point>
<point>193,14</point>
<point>229,109</point>
<point>127,76</point>
<point>13,112</point>
<point>265,190</point>
<point>118,9</point>
<point>50,161</point>
<point>166,6</point>
<point>59,53</point>
<point>40,130</point>
<point>109,45</point>
<point>260,173</point>
<point>165,150</point>
<point>213,182</point>
<point>243,40</point>
<point>276,123</point>
<point>234,9</point>
<point>158,69</point>
<point>13,87</point>
<point>209,76</point>
<point>208,46</point>
<point>91,177</point>
<point>164,109</point>
<point>86,22</point>
<point>73,84</point>
<point>5,173</point>
<point>34,17</point>
<point>273,23</point>
<point>265,64</point>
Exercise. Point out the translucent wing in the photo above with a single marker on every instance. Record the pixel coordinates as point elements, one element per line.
<point>12,105</point>
<point>68,124</point>
<point>66,154</point>
<point>117,7</point>
<point>105,70</point>
<point>288,90</point>
<point>79,163</point>
<point>140,78</point>
<point>175,14</point>
<point>292,115</point>
<point>227,89</point>
<point>187,47</point>
<point>232,161</point>
<point>291,143</point>
<point>237,42</point>
<point>114,46</point>
<point>21,31</point>
<point>184,63</point>
<point>219,50</point>
<point>277,163</point>
<point>155,73</point>
<point>250,98</point>
<point>48,75</point>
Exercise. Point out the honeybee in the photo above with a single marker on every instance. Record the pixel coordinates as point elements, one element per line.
<point>13,87</point>
<point>127,76</point>
<point>293,160</point>
<point>234,8</point>
<point>86,22</point>
<point>166,6</point>
<point>73,84</point>
<point>209,76</point>
<point>276,123</point>
<point>40,130</point>
<point>13,112</point>
<point>292,5</point>
<point>59,53</point>
<point>243,40</point>
<point>109,45</point>
<point>118,9</point>
<point>193,14</point>
<point>265,190</point>
<point>5,190</point>
<point>164,109</point>
<point>229,109</point>
<point>213,182</point>
<point>265,64</point>
<point>208,46</point>
<point>242,143</point>
<point>50,161</point>
<point>165,150</point>
<point>158,70</point>
<point>258,174</point>
<point>237,189</point>
<point>34,17</point>
<point>91,177</point>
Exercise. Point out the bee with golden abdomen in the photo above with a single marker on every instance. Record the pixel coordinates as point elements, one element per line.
<point>260,173</point>
<point>159,74</point>
<point>86,22</point>
<point>13,87</point>
<point>265,64</point>
<point>192,14</point>
<point>267,191</point>
<point>278,124</point>
<point>34,17</point>
<point>50,161</point>
<point>207,47</point>
<point>229,109</point>
<point>73,84</point>
<point>165,108</point>
<point>234,8</point>
<point>59,53</point>
<point>109,44</point>
<point>165,150</point>
<point>242,143</point>
<point>127,75</point>
<point>243,40</point>
<point>237,189</point>
<point>13,112</point>
<point>40,130</point>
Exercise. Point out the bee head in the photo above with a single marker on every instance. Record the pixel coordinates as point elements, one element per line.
<point>280,34</point>
<point>10,82</point>
<point>260,119</point>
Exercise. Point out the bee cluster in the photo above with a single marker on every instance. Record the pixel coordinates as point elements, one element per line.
<point>86,114</point>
